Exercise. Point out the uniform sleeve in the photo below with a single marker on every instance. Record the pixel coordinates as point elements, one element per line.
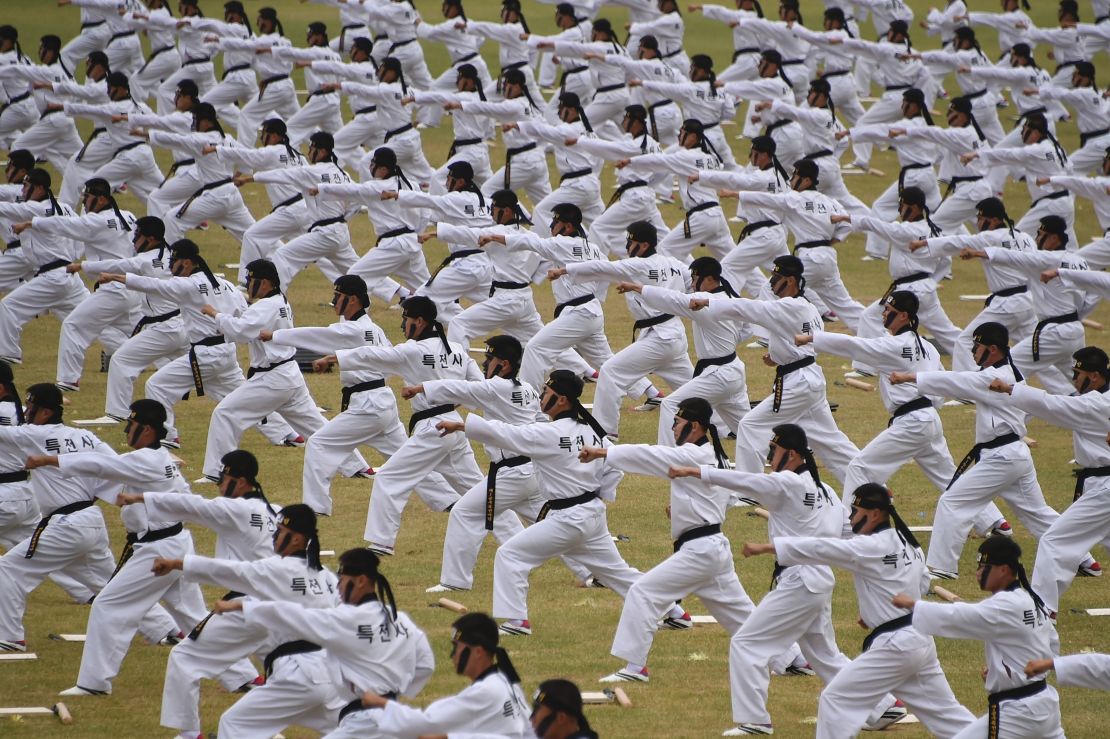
<point>78,228</point>
<point>214,514</point>
<point>881,352</point>
<point>1087,279</point>
<point>386,359</point>
<point>439,717</point>
<point>126,468</point>
<point>425,663</point>
<point>246,327</point>
<point>860,554</point>
<point>961,620</point>
<point>175,288</point>
<point>478,395</point>
<point>668,301</point>
<point>596,269</point>
<point>529,440</point>
<point>251,578</point>
<point>770,490</point>
<point>968,385</point>
<point>1069,411</point>
<point>293,619</point>
<point>1083,671</point>
<point>648,459</point>
<point>320,339</point>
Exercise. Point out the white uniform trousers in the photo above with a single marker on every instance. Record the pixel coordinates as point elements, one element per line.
<point>173,192</point>
<point>726,389</point>
<point>804,403</point>
<point>1088,157</point>
<point>1062,206</point>
<point>334,448</point>
<point>108,314</point>
<point>223,205</point>
<point>200,72</point>
<point>299,691</point>
<point>605,109</point>
<point>278,97</point>
<point>1035,717</point>
<point>886,109</point>
<point>830,181</point>
<point>743,67</point>
<point>842,91</point>
<point>122,603</point>
<point>331,243</point>
<point>760,248</point>
<point>1015,312</point>
<point>220,372</point>
<point>958,207</point>
<point>53,138</point>
<point>18,518</point>
<point>409,148</point>
<point>136,168</point>
<point>319,113</point>
<point>56,291</point>
<point>76,544</point>
<point>125,54</point>
<point>702,567</point>
<point>509,311</point>
<point>885,207</point>
<point>233,91</point>
<point>1097,253</point>
<point>221,653</point>
<point>1064,546</point>
<point>1055,345</point>
<point>359,725</point>
<point>822,273</point>
<point>423,453</point>
<point>415,69</point>
<point>281,389</point>
<point>362,130</point>
<point>528,173</point>
<point>706,228</point>
<point>431,115</point>
<point>88,40</point>
<point>146,80</point>
<point>667,358</point>
<point>580,327</point>
<point>1007,472</point>
<point>263,238</point>
<point>155,344</point>
<point>16,119</point>
<point>580,532</point>
<point>786,614</point>
<point>76,173</point>
<point>905,663</point>
<point>400,256</point>
<point>477,155</point>
<point>469,278</point>
<point>609,229</point>
<point>14,269</point>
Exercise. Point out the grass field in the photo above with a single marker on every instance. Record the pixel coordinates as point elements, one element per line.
<point>688,695</point>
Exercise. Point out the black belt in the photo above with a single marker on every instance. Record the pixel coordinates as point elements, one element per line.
<point>327,222</point>
<point>343,33</point>
<point>609,88</point>
<point>121,34</point>
<point>1051,196</point>
<point>322,91</point>
<point>698,532</point>
<point>566,73</point>
<point>954,181</point>
<point>1065,65</point>
<point>917,404</point>
<point>288,649</point>
<point>393,132</point>
<point>1085,137</point>
<point>746,50</point>
<point>1005,293</point>
<point>505,285</point>
<point>820,153</point>
<point>48,111</point>
<point>92,24</point>
<point>491,484</point>
<point>906,168</point>
<point>772,127</point>
<point>1031,111</point>
<point>161,318</point>
<point>994,699</point>
<point>1081,476</point>
<point>174,167</point>
<point>205,188</point>
<point>132,539</point>
<point>20,476</point>
<point>252,371</point>
<point>892,625</point>
<point>268,81</point>
<point>580,300</point>
<point>574,175</point>
<point>893,88</point>
<point>835,73</point>
<point>509,154</point>
<point>973,456</point>
<point>361,387</point>
<point>199,60</point>
<point>229,595</point>
<point>399,44</point>
<point>704,364</point>
<point>13,245</point>
<point>128,147</point>
<point>459,143</point>
<point>898,282</point>
<point>236,68</point>
<point>427,413</point>
<point>194,364</point>
<point>288,201</point>
<point>976,95</point>
<point>51,266</point>
<point>1066,318</point>
<point>356,705</point>
<point>625,187</point>
<point>561,504</point>
<point>395,232</point>
<point>754,226</point>
<point>464,59</point>
<point>92,137</point>
<point>651,116</point>
<point>696,209</point>
<point>642,323</point>
<point>367,109</point>
<point>781,372</point>
<point>812,244</point>
<point>16,99</point>
<point>453,256</point>
<point>63,511</point>
<point>776,573</point>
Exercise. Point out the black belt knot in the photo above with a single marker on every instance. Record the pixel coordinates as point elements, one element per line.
<point>643,323</point>
<point>432,412</point>
<point>360,387</point>
<point>1005,293</point>
<point>395,232</point>
<point>561,504</point>
<point>994,699</point>
<point>1086,473</point>
<point>63,511</point>
<point>698,532</point>
<point>252,371</point>
<point>917,404</point>
<point>780,374</point>
<point>580,300</point>
<point>288,649</point>
<point>327,222</point>
<point>704,364</point>
<point>1065,318</point>
<point>892,625</point>
<point>976,451</point>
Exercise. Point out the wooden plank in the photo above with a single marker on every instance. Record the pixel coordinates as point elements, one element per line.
<point>17,656</point>
<point>703,620</point>
<point>921,529</point>
<point>974,298</point>
<point>945,594</point>
<point>451,605</point>
<point>1098,611</point>
<point>858,384</point>
<point>594,697</point>
<point>68,637</point>
<point>63,713</point>
<point>27,711</point>
<point>622,698</point>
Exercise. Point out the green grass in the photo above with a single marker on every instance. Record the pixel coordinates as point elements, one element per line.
<point>688,695</point>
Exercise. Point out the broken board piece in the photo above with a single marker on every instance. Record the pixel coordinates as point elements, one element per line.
<point>327,552</point>
<point>607,696</point>
<point>1097,611</point>
<point>945,594</point>
<point>451,605</point>
<point>17,656</point>
<point>974,298</point>
<point>68,637</point>
<point>921,529</point>
<point>858,384</point>
<point>703,620</point>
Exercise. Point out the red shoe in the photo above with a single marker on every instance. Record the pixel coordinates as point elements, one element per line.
<point>296,440</point>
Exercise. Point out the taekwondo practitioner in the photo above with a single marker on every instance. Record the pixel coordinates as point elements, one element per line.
<point>462,48</point>
<point>321,110</point>
<point>51,136</point>
<point>164,59</point>
<point>276,93</point>
<point>771,84</point>
<point>95,151</point>
<point>363,128</point>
